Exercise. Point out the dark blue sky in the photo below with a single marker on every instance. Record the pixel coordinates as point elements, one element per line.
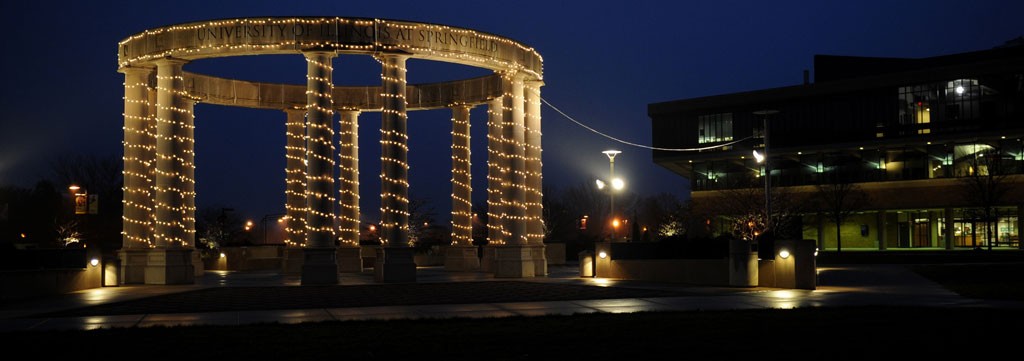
<point>603,64</point>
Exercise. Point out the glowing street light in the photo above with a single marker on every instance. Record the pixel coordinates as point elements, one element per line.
<point>617,183</point>
<point>763,158</point>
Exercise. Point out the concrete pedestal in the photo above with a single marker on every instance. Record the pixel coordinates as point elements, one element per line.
<point>487,262</point>
<point>540,262</point>
<point>319,267</point>
<point>461,259</point>
<point>395,264</point>
<point>798,269</point>
<point>169,267</point>
<point>514,261</point>
<point>197,264</point>
<point>133,266</point>
<point>349,260</point>
<point>292,263</point>
<point>742,264</point>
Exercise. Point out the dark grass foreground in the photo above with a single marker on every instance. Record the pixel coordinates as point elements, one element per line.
<point>306,297</point>
<point>994,281</point>
<point>803,334</point>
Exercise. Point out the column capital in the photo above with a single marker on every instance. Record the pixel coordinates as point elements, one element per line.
<point>291,111</point>
<point>170,61</point>
<point>312,53</point>
<point>132,70</point>
<point>383,56</point>
<point>461,105</point>
<point>350,110</point>
<point>536,83</point>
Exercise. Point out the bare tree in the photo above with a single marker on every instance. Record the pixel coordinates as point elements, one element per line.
<point>838,200</point>
<point>744,207</point>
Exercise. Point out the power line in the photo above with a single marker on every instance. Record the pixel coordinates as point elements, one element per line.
<point>626,142</point>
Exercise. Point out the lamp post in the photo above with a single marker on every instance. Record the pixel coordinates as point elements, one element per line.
<point>263,223</point>
<point>616,184</point>
<point>767,167</point>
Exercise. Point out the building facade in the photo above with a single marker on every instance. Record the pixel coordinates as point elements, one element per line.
<point>932,149</point>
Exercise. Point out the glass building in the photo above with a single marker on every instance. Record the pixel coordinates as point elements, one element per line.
<point>932,148</point>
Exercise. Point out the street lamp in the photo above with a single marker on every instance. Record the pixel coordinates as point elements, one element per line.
<point>763,158</point>
<point>617,183</point>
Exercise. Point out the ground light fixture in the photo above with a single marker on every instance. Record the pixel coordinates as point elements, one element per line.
<point>603,255</point>
<point>784,253</point>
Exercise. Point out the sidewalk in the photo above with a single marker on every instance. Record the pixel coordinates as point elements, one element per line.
<point>229,298</point>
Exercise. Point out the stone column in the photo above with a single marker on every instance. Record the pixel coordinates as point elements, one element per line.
<point>170,262</point>
<point>461,254</point>
<point>349,260</point>
<point>319,266</point>
<point>136,237</point>
<point>947,220</point>
<point>188,184</point>
<point>394,258</point>
<point>494,177</point>
<point>881,230</point>
<point>294,190</point>
<point>515,257</point>
<point>534,178</point>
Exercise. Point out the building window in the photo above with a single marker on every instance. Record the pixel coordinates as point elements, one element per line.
<point>713,128</point>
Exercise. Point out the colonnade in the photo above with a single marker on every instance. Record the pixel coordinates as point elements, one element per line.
<point>159,179</point>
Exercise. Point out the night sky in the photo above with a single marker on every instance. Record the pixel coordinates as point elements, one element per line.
<point>602,64</point>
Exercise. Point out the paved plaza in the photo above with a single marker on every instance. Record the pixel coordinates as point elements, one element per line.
<point>232,298</point>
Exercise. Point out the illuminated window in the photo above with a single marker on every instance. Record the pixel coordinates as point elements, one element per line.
<point>714,128</point>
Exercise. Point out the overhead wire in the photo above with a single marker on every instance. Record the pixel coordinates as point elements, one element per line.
<point>626,142</point>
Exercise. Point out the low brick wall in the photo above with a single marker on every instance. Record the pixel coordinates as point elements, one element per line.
<point>21,284</point>
<point>711,272</point>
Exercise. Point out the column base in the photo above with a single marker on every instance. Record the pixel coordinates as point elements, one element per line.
<point>133,266</point>
<point>170,267</point>
<point>540,261</point>
<point>461,259</point>
<point>291,265</point>
<point>349,260</point>
<point>319,266</point>
<point>514,261</point>
<point>487,262</point>
<point>197,263</point>
<point>395,264</point>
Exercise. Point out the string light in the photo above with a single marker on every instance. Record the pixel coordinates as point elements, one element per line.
<point>174,189</point>
<point>349,178</point>
<point>462,207</point>
<point>138,144</point>
<point>161,164</point>
<point>495,231</point>
<point>394,209</point>
<point>534,175</point>
<point>295,178</point>
<point>320,230</point>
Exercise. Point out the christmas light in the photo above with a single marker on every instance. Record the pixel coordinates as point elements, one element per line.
<point>320,230</point>
<point>349,178</point>
<point>462,206</point>
<point>394,209</point>
<point>295,178</point>
<point>159,127</point>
